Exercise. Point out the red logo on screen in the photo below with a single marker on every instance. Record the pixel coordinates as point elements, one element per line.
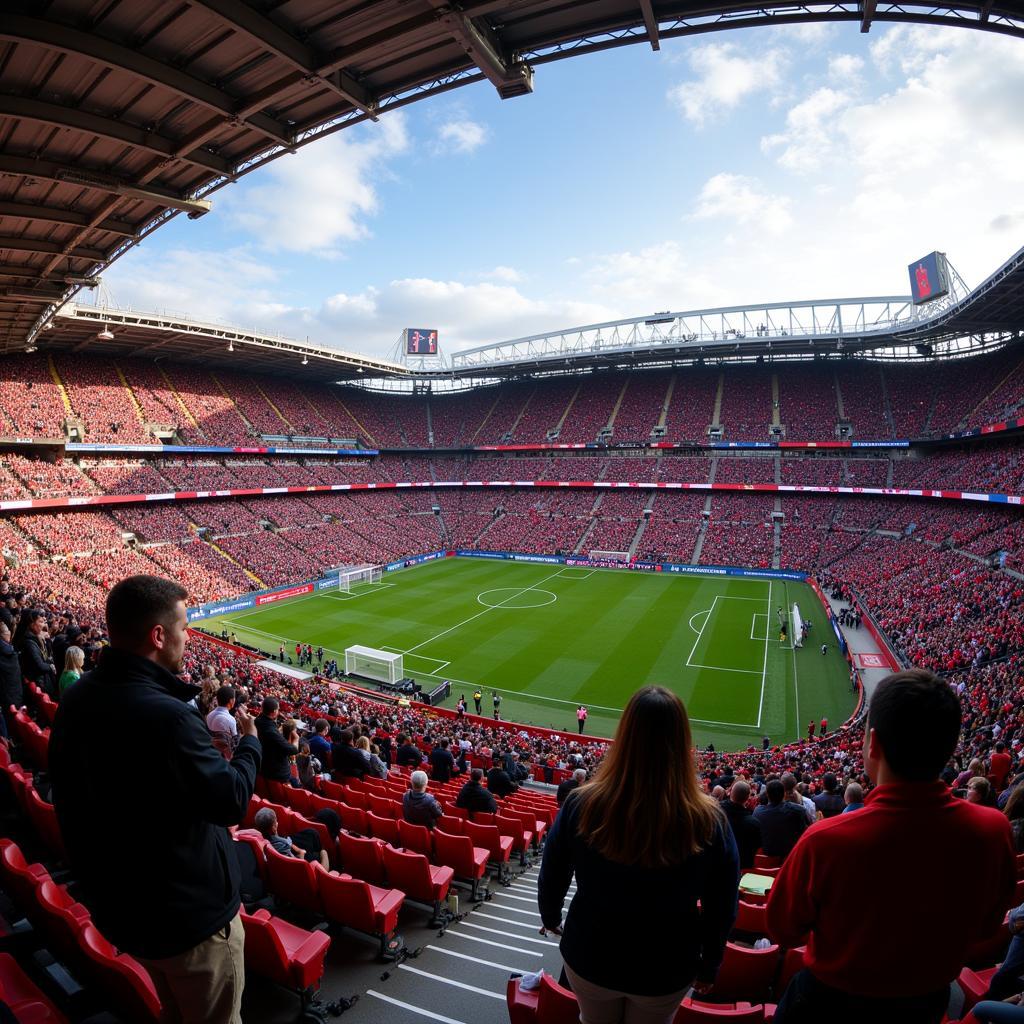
<point>924,287</point>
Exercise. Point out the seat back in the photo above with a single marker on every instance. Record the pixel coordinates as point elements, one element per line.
<point>409,872</point>
<point>62,918</point>
<point>122,978</point>
<point>454,851</point>
<point>348,901</point>
<point>691,1012</point>
<point>415,838</point>
<point>746,973</point>
<point>752,918</point>
<point>383,806</point>
<point>19,878</point>
<point>44,821</point>
<point>361,858</point>
<point>292,879</point>
<point>383,828</point>
<point>556,1005</point>
<point>264,952</point>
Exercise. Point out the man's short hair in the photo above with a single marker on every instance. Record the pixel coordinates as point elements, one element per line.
<point>270,705</point>
<point>580,775</point>
<point>788,782</point>
<point>829,782</point>
<point>225,695</point>
<point>346,737</point>
<point>740,792</point>
<point>854,793</point>
<point>137,604</point>
<point>418,780</point>
<point>477,775</point>
<point>320,725</point>
<point>264,820</point>
<point>1000,746</point>
<point>776,791</point>
<point>916,718</point>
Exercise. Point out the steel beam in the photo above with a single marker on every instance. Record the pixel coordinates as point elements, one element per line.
<point>650,23</point>
<point>67,39</point>
<point>867,13</point>
<point>280,41</point>
<point>53,215</point>
<point>61,116</point>
<point>78,252</point>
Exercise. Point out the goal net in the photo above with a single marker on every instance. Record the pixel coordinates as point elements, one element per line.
<point>368,662</point>
<point>352,576</point>
<point>798,626</point>
<point>598,555</point>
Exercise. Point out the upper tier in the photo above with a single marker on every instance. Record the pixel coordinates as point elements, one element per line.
<point>88,398</point>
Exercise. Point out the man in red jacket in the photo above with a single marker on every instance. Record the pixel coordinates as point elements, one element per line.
<point>881,897</point>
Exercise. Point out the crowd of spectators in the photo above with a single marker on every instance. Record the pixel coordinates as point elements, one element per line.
<point>545,407</point>
<point>746,412</point>
<point>807,404</point>
<point>641,406</point>
<point>692,405</point>
<point>592,408</point>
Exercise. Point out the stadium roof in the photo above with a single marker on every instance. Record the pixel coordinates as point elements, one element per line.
<point>116,116</point>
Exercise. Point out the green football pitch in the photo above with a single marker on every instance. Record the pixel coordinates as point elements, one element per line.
<point>548,638</point>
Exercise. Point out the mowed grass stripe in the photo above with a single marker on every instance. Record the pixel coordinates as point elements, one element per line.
<point>601,638</point>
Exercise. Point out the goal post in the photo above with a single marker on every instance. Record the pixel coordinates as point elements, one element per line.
<point>370,663</point>
<point>599,555</point>
<point>352,576</point>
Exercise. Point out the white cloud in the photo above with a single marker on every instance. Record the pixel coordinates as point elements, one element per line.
<point>741,199</point>
<point>725,77</point>
<point>462,136</point>
<point>807,140</point>
<point>322,195</point>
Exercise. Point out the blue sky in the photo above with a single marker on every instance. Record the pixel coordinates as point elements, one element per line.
<point>761,165</point>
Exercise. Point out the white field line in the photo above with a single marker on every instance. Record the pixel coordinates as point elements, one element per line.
<point>701,632</point>
<point>451,629</point>
<point>764,671</point>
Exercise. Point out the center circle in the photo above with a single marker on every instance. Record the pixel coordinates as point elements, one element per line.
<point>515,597</point>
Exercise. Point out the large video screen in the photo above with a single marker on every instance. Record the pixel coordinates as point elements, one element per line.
<point>929,278</point>
<point>420,341</point>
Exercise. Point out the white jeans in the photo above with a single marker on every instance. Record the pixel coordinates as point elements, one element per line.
<point>606,1006</point>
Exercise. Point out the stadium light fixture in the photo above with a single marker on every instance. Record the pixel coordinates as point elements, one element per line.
<point>106,334</point>
<point>231,346</point>
<point>305,360</point>
<point>82,281</point>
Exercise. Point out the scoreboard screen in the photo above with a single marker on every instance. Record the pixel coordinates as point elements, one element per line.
<point>420,341</point>
<point>929,278</point>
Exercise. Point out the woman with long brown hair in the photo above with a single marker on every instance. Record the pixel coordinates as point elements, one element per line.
<point>645,844</point>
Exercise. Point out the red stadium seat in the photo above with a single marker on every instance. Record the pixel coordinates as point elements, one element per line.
<point>974,985</point>
<point>28,1004</point>
<point>420,880</point>
<point>62,918</point>
<point>415,838</point>
<point>44,821</point>
<point>384,806</point>
<point>361,858</point>
<point>121,978</point>
<point>20,879</point>
<point>746,973</point>
<point>458,852</point>
<point>353,818</point>
<point>498,847</point>
<point>359,905</point>
<point>383,828</point>
<point>548,1003</point>
<point>792,962</point>
<point>513,828</point>
<point>752,918</point>
<point>293,879</point>
<point>289,956</point>
<point>692,1012</point>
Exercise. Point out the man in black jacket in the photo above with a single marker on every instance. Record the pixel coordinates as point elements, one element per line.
<point>442,764</point>
<point>12,692</point>
<point>745,827</point>
<point>346,761</point>
<point>36,661</point>
<point>473,797</point>
<point>172,900</point>
<point>565,787</point>
<point>498,781</point>
<point>277,751</point>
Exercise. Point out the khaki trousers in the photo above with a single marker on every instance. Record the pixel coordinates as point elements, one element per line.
<point>606,1006</point>
<point>204,984</point>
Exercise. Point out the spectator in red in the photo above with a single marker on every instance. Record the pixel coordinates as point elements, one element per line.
<point>823,728</point>
<point>810,729</point>
<point>999,766</point>
<point>890,951</point>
